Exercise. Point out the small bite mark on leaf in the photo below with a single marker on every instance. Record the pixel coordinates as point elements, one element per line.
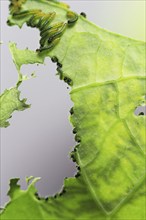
<point>140,111</point>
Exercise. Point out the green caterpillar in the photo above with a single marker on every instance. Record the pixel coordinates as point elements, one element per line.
<point>50,35</point>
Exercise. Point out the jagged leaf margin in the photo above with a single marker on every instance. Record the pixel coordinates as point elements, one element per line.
<point>111,152</point>
<point>10,98</point>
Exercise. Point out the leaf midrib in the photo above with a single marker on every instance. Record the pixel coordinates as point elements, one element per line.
<point>90,85</point>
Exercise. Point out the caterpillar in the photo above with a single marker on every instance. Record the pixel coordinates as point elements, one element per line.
<point>74,131</point>
<point>141,113</point>
<point>77,175</point>
<point>15,5</point>
<point>71,111</point>
<point>83,14</point>
<point>50,35</point>
<point>77,138</point>
<point>60,73</point>
<point>68,81</point>
<point>62,192</point>
<point>73,157</point>
<point>46,199</point>
<point>54,59</point>
<point>59,65</point>
<point>73,17</point>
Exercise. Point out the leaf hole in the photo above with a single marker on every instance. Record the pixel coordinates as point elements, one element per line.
<point>140,111</point>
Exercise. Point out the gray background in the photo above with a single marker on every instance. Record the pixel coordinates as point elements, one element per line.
<point>39,139</point>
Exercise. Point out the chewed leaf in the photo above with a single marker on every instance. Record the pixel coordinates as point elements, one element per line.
<point>21,57</point>
<point>112,149</point>
<point>10,99</point>
<point>26,199</point>
<point>107,76</point>
<point>73,202</point>
<point>10,102</point>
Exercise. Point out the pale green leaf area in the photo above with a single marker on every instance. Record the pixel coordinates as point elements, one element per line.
<point>106,73</point>
<point>21,57</point>
<point>10,102</point>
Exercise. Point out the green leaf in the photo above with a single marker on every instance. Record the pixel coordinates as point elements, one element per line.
<point>10,98</point>
<point>21,57</point>
<point>106,73</point>
<point>73,202</point>
<point>10,102</point>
